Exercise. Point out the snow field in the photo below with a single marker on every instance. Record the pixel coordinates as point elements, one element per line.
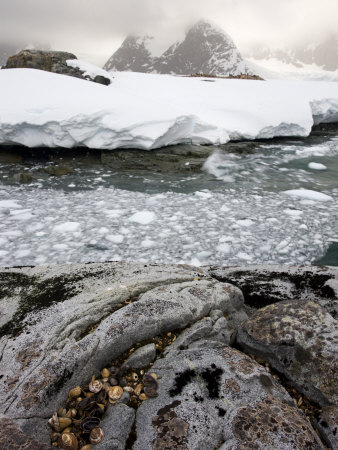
<point>150,111</point>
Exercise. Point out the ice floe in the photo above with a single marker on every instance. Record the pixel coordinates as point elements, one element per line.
<point>308,194</point>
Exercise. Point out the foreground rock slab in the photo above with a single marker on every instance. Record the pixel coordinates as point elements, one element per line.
<point>82,317</point>
<point>60,325</point>
<point>219,398</point>
<point>300,340</point>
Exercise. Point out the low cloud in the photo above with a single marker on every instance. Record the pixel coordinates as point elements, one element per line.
<point>94,29</point>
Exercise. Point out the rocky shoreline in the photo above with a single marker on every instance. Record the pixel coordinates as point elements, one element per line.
<point>243,357</point>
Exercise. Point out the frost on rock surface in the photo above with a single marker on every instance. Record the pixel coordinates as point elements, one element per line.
<point>149,111</point>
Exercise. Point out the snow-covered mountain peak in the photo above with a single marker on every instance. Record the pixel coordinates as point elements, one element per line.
<point>206,49</point>
<point>208,28</point>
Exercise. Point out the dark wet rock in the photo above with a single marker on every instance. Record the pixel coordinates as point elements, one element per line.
<point>22,177</point>
<point>209,397</point>
<point>176,158</point>
<point>124,398</point>
<point>142,357</point>
<point>102,80</point>
<point>299,339</point>
<point>9,155</point>
<point>50,61</point>
<point>327,425</point>
<point>58,170</point>
<point>330,258</point>
<point>12,438</point>
<point>116,424</point>
<point>263,285</point>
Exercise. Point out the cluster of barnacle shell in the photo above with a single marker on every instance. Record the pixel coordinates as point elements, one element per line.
<point>77,426</point>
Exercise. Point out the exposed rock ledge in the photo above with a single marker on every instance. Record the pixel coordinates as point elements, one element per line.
<point>59,325</point>
<point>51,61</point>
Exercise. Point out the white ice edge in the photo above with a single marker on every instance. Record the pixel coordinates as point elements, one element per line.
<point>149,111</point>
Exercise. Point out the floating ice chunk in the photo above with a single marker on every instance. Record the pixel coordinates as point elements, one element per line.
<point>245,222</point>
<point>23,217</point>
<point>226,239</point>
<point>22,253</point>
<point>113,213</point>
<point>9,204</point>
<point>293,212</point>
<point>143,217</point>
<point>316,166</point>
<point>103,230</point>
<point>244,256</point>
<point>204,255</point>
<point>115,238</point>
<point>224,248</point>
<point>308,195</point>
<point>67,227</point>
<point>225,208</point>
<point>60,247</point>
<point>203,194</point>
<point>148,243</point>
<point>195,262</point>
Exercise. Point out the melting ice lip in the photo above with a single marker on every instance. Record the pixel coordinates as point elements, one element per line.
<point>148,111</point>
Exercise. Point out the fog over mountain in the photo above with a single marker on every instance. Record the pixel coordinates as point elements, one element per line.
<point>94,30</point>
<point>205,49</point>
<point>323,54</point>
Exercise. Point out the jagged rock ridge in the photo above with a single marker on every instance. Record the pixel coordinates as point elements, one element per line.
<point>205,49</point>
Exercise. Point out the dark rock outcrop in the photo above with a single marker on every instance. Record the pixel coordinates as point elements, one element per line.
<point>50,61</point>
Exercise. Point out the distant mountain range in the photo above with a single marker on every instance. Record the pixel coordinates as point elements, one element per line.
<point>205,49</point>
<point>323,54</point>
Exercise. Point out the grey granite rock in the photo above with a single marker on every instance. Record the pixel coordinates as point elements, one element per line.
<point>62,324</point>
<point>299,339</point>
<point>263,285</point>
<point>116,424</point>
<point>327,425</point>
<point>83,317</point>
<point>12,438</point>
<point>210,398</point>
<point>142,357</point>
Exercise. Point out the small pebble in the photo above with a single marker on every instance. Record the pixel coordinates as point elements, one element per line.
<point>128,389</point>
<point>143,397</point>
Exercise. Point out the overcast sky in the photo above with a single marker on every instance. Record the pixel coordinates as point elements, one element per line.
<point>94,29</point>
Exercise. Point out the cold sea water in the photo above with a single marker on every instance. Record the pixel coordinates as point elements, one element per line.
<point>231,207</point>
